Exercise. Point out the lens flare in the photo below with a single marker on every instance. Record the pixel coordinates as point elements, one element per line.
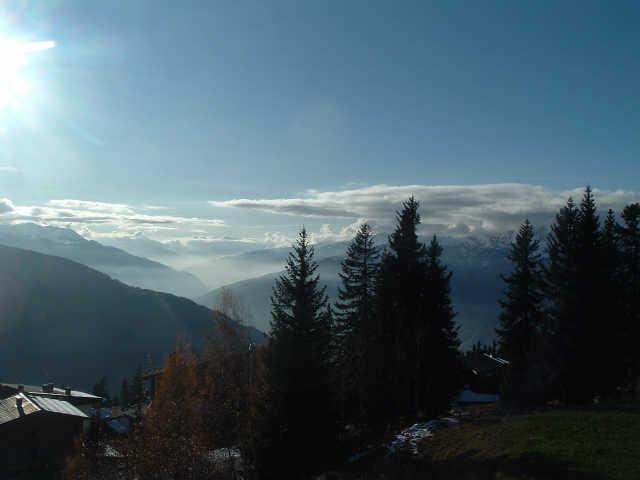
<point>13,58</point>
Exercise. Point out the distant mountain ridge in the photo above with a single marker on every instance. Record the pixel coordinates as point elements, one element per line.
<point>64,322</point>
<point>476,283</point>
<point>121,265</point>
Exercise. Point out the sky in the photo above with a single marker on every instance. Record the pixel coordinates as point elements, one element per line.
<point>236,120</point>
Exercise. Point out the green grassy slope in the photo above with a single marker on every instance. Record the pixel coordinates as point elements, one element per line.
<point>578,444</point>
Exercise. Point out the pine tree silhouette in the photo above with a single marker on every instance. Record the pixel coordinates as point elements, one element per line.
<point>630,274</point>
<point>560,290</point>
<point>299,428</point>
<point>354,317</point>
<point>521,319</point>
<point>439,357</point>
<point>417,334</point>
<point>401,309</point>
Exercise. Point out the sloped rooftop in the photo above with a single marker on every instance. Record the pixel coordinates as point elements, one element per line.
<point>39,390</point>
<point>32,404</point>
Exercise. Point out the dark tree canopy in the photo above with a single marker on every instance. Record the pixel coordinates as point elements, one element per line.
<point>629,238</point>
<point>521,320</point>
<point>299,428</point>
<point>354,316</point>
<point>440,357</point>
<point>584,298</point>
<point>416,334</point>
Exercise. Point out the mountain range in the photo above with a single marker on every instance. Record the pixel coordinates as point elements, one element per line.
<point>59,308</point>
<point>116,263</point>
<point>64,322</point>
<point>476,284</point>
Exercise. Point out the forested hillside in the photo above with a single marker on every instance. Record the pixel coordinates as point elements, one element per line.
<point>63,322</point>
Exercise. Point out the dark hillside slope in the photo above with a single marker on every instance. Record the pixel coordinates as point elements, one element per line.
<point>63,322</point>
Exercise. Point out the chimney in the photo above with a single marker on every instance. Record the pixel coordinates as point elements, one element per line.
<point>18,403</point>
<point>47,387</point>
<point>21,388</point>
<point>67,391</point>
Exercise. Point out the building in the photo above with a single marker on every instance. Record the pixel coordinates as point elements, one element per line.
<point>84,401</point>
<point>36,434</point>
<point>38,425</point>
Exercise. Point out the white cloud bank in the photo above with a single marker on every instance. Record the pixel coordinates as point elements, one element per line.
<point>96,219</point>
<point>448,209</point>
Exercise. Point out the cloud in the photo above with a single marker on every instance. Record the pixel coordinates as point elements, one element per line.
<point>277,239</point>
<point>305,207</point>
<point>450,209</point>
<point>328,234</point>
<point>92,206</point>
<point>96,219</point>
<point>8,168</point>
<point>6,206</point>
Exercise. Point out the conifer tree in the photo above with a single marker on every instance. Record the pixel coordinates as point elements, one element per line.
<point>417,338</point>
<point>299,425</point>
<point>401,322</point>
<point>592,305</point>
<point>521,319</point>
<point>101,390</point>
<point>560,285</point>
<point>354,320</point>
<point>611,241</point>
<point>578,279</point>
<point>613,288</point>
<point>595,302</point>
<point>439,358</point>
<point>137,386</point>
<point>630,273</point>
<point>125,393</point>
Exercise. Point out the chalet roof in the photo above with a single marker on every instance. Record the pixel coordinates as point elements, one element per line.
<point>9,410</point>
<point>53,393</point>
<point>32,404</point>
<point>56,406</point>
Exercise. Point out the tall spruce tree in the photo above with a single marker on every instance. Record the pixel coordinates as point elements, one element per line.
<point>439,358</point>
<point>579,277</point>
<point>354,316</point>
<point>521,319</point>
<point>299,426</point>
<point>402,325</point>
<point>630,273</point>
<point>613,288</point>
<point>416,333</point>
<point>560,290</point>
<point>592,304</point>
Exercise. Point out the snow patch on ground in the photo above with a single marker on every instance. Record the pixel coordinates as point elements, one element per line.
<point>410,438</point>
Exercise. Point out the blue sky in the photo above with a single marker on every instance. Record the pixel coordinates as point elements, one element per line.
<point>193,106</point>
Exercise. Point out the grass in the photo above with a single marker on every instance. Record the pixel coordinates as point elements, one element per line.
<point>573,444</point>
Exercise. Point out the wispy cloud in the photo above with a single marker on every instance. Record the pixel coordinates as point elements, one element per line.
<point>103,218</point>
<point>8,168</point>
<point>450,209</point>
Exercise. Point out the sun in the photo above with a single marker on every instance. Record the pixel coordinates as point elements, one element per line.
<point>14,84</point>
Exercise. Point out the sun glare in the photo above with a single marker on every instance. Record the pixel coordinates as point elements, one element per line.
<point>13,58</point>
